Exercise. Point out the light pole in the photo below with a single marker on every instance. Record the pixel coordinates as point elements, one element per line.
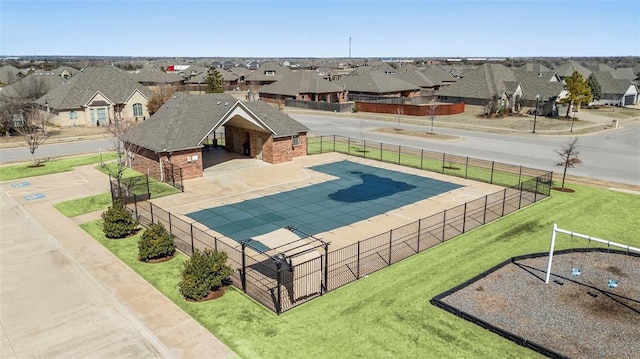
<point>574,116</point>
<point>535,113</point>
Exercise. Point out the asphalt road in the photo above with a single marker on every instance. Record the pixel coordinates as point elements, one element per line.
<point>22,154</point>
<point>611,155</point>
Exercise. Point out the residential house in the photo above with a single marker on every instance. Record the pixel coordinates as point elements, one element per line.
<point>196,81</point>
<point>615,92</point>
<point>269,72</point>
<point>567,69</point>
<point>176,134</point>
<point>413,75</point>
<point>303,86</point>
<point>10,74</point>
<point>488,83</point>
<point>376,85</point>
<point>440,76</point>
<point>93,96</point>
<point>152,76</point>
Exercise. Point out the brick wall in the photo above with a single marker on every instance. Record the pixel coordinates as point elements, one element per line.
<point>273,150</point>
<point>411,110</point>
<point>147,162</point>
<point>189,160</point>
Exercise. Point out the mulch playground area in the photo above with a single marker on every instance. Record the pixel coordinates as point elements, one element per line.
<point>578,317</point>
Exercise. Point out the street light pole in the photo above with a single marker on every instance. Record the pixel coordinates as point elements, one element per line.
<point>535,114</point>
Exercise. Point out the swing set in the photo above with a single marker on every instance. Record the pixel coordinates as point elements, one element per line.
<point>577,270</point>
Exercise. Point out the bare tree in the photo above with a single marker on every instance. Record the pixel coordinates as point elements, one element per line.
<point>568,156</point>
<point>19,99</point>
<point>33,129</point>
<point>433,110</point>
<point>163,94</point>
<point>399,112</point>
<point>117,129</point>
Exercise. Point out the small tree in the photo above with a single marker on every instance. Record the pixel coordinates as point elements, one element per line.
<point>34,131</point>
<point>579,91</point>
<point>594,85</point>
<point>215,82</point>
<point>118,221</point>
<point>117,129</point>
<point>155,243</point>
<point>163,94</point>
<point>568,157</point>
<point>433,110</point>
<point>204,272</point>
<point>399,112</point>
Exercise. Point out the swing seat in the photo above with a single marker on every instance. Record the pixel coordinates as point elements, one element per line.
<point>576,272</point>
<point>613,283</point>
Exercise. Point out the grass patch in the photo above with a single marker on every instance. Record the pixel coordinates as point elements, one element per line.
<point>457,166</point>
<point>80,206</point>
<point>24,170</point>
<point>388,314</point>
<point>138,183</point>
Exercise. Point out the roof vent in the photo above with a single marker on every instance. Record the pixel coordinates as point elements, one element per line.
<point>218,103</point>
<point>174,96</point>
<point>226,103</point>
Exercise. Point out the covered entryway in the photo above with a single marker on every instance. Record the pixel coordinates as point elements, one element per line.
<point>628,100</point>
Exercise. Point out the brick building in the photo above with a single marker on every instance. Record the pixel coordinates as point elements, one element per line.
<point>176,134</point>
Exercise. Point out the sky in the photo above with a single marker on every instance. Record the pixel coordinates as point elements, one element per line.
<point>320,28</point>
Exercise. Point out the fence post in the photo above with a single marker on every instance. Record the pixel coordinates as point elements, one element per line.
<point>504,201</point>
<point>215,243</point>
<point>493,163</point>
<point>484,217</point>
<point>399,152</point>
<point>466,168</point>
<point>358,263</point>
<point>191,232</point>
<point>279,290</point>
<point>390,244</point>
<point>421,157</point>
<point>334,143</point>
<point>243,275</point>
<point>349,145</point>
<point>380,151</point>
<point>151,210</point>
<point>170,228</point>
<point>135,204</point>
<point>148,188</point>
<point>520,196</point>
<point>419,231</point>
<point>520,175</point>
<point>443,155</point>
<point>364,148</point>
<point>320,144</point>
<point>535,193</point>
<point>444,223</point>
<point>326,267</point>
<point>464,217</point>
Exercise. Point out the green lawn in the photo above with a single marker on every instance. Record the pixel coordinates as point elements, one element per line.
<point>23,170</point>
<point>414,158</point>
<point>102,201</point>
<point>89,204</point>
<point>388,314</point>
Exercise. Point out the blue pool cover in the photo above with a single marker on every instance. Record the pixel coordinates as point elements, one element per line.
<point>359,192</point>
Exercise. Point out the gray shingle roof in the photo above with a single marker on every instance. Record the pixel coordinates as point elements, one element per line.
<point>153,74</point>
<point>115,84</point>
<point>439,75</point>
<point>533,85</point>
<point>300,83</point>
<point>485,82</point>
<point>184,120</point>
<point>611,87</point>
<point>416,77</point>
<point>531,67</point>
<point>566,69</point>
<point>375,83</point>
<point>261,73</point>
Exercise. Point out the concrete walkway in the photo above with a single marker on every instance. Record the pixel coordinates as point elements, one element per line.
<point>63,295</point>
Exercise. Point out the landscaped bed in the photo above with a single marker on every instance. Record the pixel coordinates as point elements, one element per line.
<point>575,316</point>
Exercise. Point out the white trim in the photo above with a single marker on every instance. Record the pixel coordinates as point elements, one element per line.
<point>86,104</point>
<point>238,109</point>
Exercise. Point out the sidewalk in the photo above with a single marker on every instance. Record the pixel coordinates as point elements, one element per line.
<point>63,295</point>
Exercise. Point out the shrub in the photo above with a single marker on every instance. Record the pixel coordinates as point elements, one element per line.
<point>155,243</point>
<point>204,272</point>
<point>355,108</point>
<point>118,221</point>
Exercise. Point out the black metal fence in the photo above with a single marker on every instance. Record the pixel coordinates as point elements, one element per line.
<point>492,172</point>
<point>280,283</point>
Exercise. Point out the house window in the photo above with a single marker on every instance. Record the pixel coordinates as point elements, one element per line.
<point>73,115</point>
<point>295,140</point>
<point>102,116</point>
<point>137,110</point>
<point>18,120</point>
<point>270,73</point>
<point>93,116</point>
